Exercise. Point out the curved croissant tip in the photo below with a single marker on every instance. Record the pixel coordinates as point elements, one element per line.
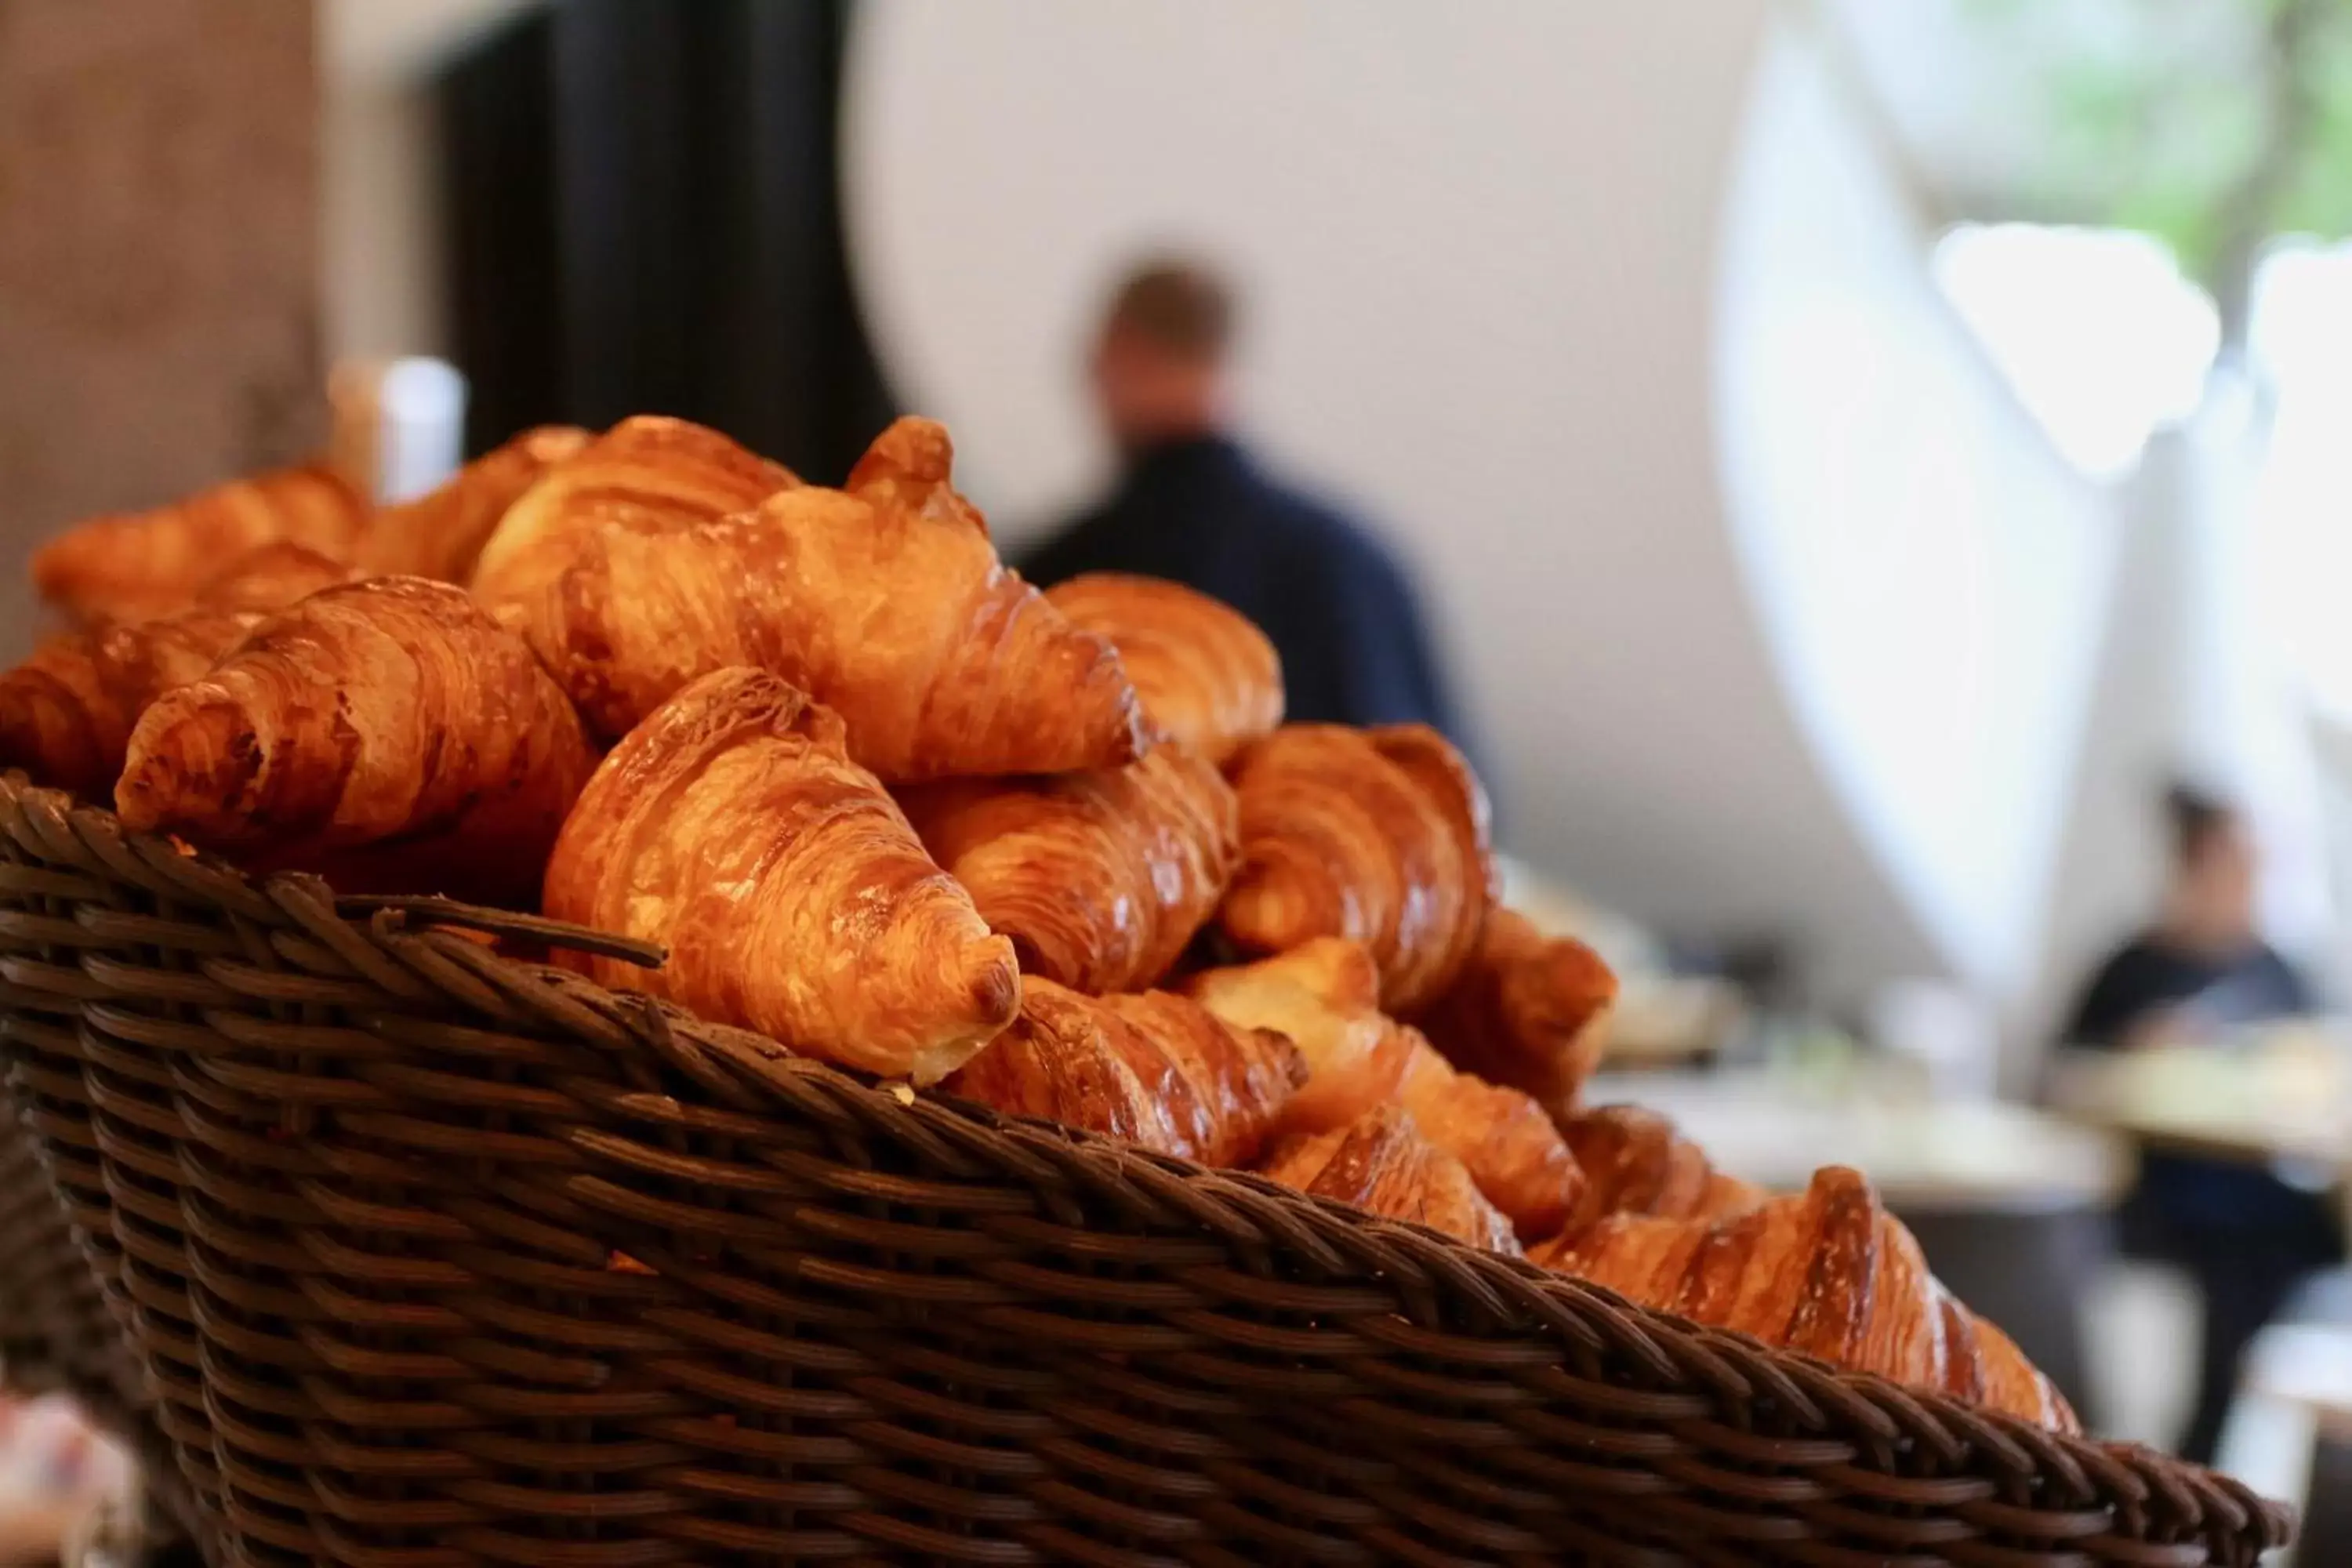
<point>909,448</point>
<point>994,975</point>
<point>189,763</point>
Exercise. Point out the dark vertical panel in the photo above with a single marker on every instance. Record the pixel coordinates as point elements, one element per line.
<point>504,287</point>
<point>695,251</point>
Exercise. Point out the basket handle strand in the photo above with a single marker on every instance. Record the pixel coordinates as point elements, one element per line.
<point>417,910</point>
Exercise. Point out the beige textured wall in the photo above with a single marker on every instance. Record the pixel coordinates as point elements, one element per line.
<point>159,256</point>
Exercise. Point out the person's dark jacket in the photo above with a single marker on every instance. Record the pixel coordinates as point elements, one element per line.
<point>1335,604</point>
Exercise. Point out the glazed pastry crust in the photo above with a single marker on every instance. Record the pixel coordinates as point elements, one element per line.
<point>1383,1164</point>
<point>1633,1162</point>
<point>665,474</point>
<point>1156,1069</point>
<point>138,565</point>
<point>1099,878</point>
<point>1828,1272</point>
<point>1207,677</point>
<point>66,713</point>
<point>441,534</point>
<point>1325,995</point>
<point>390,711</point>
<point>941,662</point>
<point>1528,1010</point>
<point>732,828</point>
<point>1378,835</point>
<point>1502,1137</point>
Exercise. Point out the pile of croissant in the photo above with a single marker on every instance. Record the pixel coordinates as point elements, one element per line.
<point>881,799</point>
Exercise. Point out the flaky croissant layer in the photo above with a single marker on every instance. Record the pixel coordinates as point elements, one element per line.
<point>886,602</point>
<point>1100,877</point>
<point>137,566</point>
<point>1381,1163</point>
<point>1378,835</point>
<point>1828,1272</point>
<point>732,828</point>
<point>1156,1069</point>
<point>1208,677</point>
<point>385,712</point>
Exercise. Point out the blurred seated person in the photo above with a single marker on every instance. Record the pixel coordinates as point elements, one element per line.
<point>2247,1235</point>
<point>1193,506</point>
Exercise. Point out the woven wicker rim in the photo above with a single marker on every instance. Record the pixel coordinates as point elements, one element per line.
<point>1690,1392</point>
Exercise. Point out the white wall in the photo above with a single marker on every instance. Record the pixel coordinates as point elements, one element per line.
<point>1932,575</point>
<point>1480,245</point>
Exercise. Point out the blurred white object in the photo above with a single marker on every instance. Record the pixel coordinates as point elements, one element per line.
<point>400,425</point>
<point>2294,1387</point>
<point>1949,1034</point>
<point>56,1473</point>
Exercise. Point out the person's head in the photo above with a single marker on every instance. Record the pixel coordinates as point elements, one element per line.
<point>1160,358</point>
<point>2213,866</point>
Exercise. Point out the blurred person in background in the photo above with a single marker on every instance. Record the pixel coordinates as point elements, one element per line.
<point>1192,505</point>
<point>2202,970</point>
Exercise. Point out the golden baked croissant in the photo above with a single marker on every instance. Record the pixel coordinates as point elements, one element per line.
<point>1378,836</point>
<point>1528,1010</point>
<point>1828,1272</point>
<point>1501,1136</point>
<point>908,468</point>
<point>440,533</point>
<point>137,566</point>
<point>648,466</point>
<point>940,661</point>
<point>1099,878</point>
<point>1156,1069</point>
<point>66,713</point>
<point>270,577</point>
<point>387,713</point>
<point>1633,1162</point>
<point>1207,675</point>
<point>1325,995</point>
<point>732,827</point>
<point>1383,1164</point>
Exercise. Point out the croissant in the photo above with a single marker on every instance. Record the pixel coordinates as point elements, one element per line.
<point>66,713</point>
<point>1378,836</point>
<point>389,713</point>
<point>666,471</point>
<point>1205,674</point>
<point>1326,996</point>
<point>907,469</point>
<point>1828,1272</point>
<point>1633,1162</point>
<point>1502,1137</point>
<point>440,533</point>
<point>136,565</point>
<point>270,577</point>
<point>940,660</point>
<point>1099,878</point>
<point>1156,1069</point>
<point>1527,1011</point>
<point>732,827</point>
<point>1383,1164</point>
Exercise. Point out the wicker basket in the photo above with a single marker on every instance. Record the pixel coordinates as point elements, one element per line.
<point>431,1257</point>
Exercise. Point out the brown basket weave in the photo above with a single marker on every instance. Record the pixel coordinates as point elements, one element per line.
<point>432,1257</point>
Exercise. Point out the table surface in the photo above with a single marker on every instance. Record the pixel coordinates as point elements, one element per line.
<point>1956,1155</point>
<point>2283,1096</point>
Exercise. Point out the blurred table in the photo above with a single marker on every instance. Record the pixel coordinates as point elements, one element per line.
<point>2282,1095</point>
<point>1974,1155</point>
<point>2009,1203</point>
